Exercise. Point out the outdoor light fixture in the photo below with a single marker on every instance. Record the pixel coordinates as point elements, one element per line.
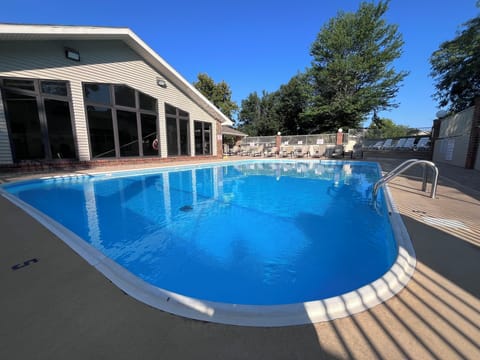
<point>72,54</point>
<point>162,83</point>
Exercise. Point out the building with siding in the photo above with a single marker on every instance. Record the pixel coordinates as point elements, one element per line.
<point>457,138</point>
<point>76,94</point>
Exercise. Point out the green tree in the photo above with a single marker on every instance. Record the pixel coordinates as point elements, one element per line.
<point>257,115</point>
<point>456,68</point>
<point>352,73</point>
<point>382,128</point>
<point>290,102</point>
<point>219,94</point>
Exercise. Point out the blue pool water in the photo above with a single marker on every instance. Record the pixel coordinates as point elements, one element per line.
<point>251,233</point>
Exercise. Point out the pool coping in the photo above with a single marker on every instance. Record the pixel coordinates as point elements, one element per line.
<point>344,305</point>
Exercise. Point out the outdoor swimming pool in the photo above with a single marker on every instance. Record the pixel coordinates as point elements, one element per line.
<point>252,242</point>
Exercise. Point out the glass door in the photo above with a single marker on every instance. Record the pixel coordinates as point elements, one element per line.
<point>25,127</point>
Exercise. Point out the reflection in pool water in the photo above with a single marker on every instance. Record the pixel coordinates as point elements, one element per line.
<point>254,233</point>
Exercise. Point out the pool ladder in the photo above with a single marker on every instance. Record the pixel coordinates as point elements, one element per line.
<point>403,167</point>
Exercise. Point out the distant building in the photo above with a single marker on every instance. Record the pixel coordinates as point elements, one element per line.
<point>87,93</point>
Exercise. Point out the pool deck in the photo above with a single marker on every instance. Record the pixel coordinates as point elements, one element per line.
<point>59,307</point>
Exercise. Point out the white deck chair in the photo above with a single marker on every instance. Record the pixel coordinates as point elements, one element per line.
<point>387,145</point>
<point>422,144</point>
<point>400,143</point>
<point>408,145</point>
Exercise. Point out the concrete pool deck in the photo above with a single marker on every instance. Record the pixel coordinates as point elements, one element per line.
<point>61,307</point>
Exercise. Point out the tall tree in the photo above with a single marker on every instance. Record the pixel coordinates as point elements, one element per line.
<point>456,68</point>
<point>352,73</point>
<point>291,101</point>
<point>257,115</point>
<point>219,94</point>
<point>386,128</point>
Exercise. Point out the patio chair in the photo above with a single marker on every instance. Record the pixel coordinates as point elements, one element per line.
<point>400,143</point>
<point>272,151</point>
<point>408,144</point>
<point>235,150</point>
<point>257,151</point>
<point>337,151</point>
<point>300,151</point>
<point>377,146</point>
<point>423,144</point>
<point>387,145</point>
<point>316,151</point>
<point>286,151</point>
<point>245,150</point>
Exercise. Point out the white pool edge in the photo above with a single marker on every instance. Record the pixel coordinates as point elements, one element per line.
<point>366,297</point>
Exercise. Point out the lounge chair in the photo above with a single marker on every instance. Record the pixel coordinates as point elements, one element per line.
<point>387,145</point>
<point>257,151</point>
<point>235,150</point>
<point>377,146</point>
<point>300,151</point>
<point>245,150</point>
<point>423,144</point>
<point>286,151</point>
<point>317,151</point>
<point>337,151</point>
<point>408,144</point>
<point>400,143</point>
<point>271,151</point>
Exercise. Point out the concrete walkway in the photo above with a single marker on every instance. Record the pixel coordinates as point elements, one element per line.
<point>61,308</point>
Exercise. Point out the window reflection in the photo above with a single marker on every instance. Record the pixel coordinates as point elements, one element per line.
<point>132,133</point>
<point>202,138</point>
<point>100,125</point>
<point>178,131</point>
<point>127,133</point>
<point>97,93</point>
<point>125,96</point>
<point>54,87</point>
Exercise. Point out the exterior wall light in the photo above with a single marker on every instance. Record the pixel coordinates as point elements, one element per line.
<point>161,82</point>
<point>72,54</point>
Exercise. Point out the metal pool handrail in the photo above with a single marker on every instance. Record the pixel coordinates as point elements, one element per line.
<point>403,167</point>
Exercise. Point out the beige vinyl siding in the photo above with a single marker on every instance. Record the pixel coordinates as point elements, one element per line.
<point>457,125</point>
<point>102,61</point>
<point>454,136</point>
<point>5,152</point>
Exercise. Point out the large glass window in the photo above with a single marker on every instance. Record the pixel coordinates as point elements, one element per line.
<point>149,134</point>
<point>202,138</point>
<point>178,131</point>
<point>19,84</point>
<point>60,132</point>
<point>132,118</point>
<point>54,87</point>
<point>127,133</point>
<point>25,128</point>
<point>100,126</point>
<point>147,102</point>
<point>97,93</point>
<point>39,118</point>
<point>172,137</point>
<point>124,96</point>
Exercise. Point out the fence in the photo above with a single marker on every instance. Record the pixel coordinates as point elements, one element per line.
<point>319,139</point>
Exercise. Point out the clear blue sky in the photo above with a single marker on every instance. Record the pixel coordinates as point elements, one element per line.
<point>257,45</point>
